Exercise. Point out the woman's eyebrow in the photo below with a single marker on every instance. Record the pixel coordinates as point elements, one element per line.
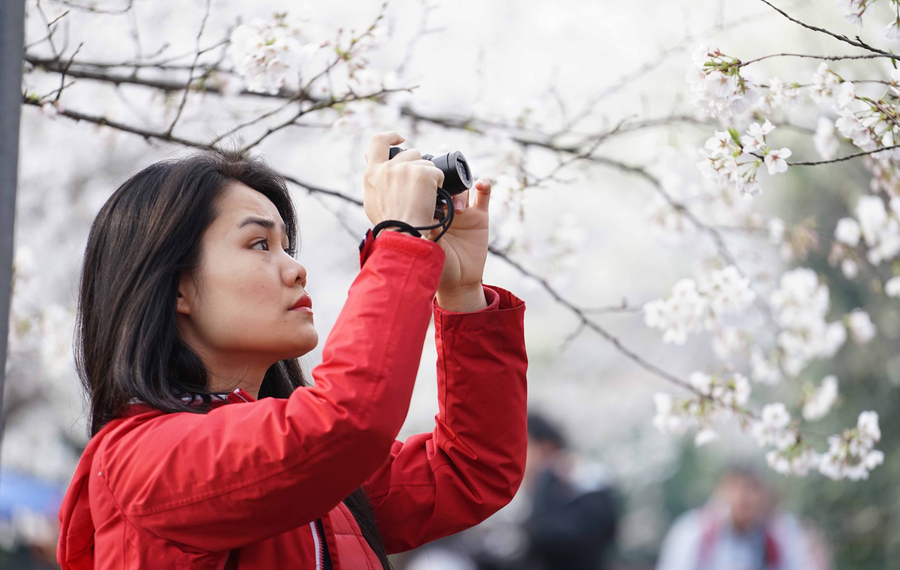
<point>264,222</point>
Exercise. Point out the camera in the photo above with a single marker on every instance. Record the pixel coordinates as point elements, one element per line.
<point>457,175</point>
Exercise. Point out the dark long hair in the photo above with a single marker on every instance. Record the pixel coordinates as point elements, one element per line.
<point>127,345</point>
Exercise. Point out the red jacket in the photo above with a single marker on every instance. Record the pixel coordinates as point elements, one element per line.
<point>155,490</point>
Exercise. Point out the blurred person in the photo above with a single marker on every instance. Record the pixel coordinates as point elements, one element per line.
<point>564,517</point>
<point>210,448</point>
<point>573,513</point>
<point>819,552</point>
<point>740,528</point>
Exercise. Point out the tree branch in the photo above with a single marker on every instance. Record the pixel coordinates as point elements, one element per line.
<point>822,57</point>
<point>843,158</point>
<point>855,43</point>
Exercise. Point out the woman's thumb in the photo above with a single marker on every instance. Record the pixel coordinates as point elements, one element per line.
<point>482,193</point>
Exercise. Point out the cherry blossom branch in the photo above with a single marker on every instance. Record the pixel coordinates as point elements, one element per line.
<point>821,57</point>
<point>80,70</point>
<point>840,37</point>
<point>77,69</point>
<point>677,206</point>
<point>843,158</point>
<point>586,322</point>
<point>716,237</point>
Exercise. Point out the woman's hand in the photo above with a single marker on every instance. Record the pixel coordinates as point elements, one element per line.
<point>404,188</point>
<point>466,245</point>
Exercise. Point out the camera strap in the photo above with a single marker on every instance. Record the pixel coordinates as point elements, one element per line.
<point>404,227</point>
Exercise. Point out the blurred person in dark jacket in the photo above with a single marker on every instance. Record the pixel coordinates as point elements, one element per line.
<point>564,516</point>
<point>573,517</point>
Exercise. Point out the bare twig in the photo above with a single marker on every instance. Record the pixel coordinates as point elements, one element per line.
<point>95,10</point>
<point>187,87</point>
<point>843,158</point>
<point>164,64</point>
<point>62,75</point>
<point>585,154</point>
<point>624,307</point>
<point>810,56</point>
<point>634,357</point>
<point>424,30</point>
<point>145,133</point>
<point>840,37</point>
<point>51,27</point>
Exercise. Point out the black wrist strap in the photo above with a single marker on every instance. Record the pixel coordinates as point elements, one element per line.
<point>444,222</point>
<point>404,227</point>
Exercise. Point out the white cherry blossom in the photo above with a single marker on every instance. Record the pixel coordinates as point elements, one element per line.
<point>699,305</point>
<point>821,400</point>
<point>825,84</point>
<point>892,287</point>
<point>852,454</point>
<point>846,95</point>
<point>266,54</point>
<point>799,306</point>
<point>775,160</point>
<point>850,269</point>
<point>796,461</point>
<point>861,327</point>
<point>847,231</point>
<point>825,141</point>
<point>772,427</point>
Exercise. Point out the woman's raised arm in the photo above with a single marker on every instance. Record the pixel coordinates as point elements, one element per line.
<point>471,465</point>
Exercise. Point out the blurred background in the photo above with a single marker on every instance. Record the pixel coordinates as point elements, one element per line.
<point>589,234</point>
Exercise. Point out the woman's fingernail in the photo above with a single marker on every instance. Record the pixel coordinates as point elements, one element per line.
<point>459,205</point>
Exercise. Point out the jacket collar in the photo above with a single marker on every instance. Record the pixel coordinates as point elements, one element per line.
<point>238,395</point>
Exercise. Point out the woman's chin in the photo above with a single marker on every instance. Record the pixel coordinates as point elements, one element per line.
<point>308,346</point>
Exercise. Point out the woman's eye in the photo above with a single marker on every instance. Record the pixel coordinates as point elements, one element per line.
<point>266,241</point>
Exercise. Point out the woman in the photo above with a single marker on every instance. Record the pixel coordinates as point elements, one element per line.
<point>210,450</point>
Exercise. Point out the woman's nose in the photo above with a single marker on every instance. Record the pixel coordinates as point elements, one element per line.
<point>296,272</point>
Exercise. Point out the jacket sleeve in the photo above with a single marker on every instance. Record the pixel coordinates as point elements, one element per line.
<point>247,471</point>
<point>471,465</point>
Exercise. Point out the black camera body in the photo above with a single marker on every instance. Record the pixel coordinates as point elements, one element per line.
<point>457,174</point>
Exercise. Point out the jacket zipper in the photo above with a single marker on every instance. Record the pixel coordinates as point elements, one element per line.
<point>318,539</point>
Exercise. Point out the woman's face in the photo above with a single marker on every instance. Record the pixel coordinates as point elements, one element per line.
<point>236,312</point>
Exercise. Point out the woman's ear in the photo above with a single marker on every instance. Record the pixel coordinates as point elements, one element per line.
<point>185,297</point>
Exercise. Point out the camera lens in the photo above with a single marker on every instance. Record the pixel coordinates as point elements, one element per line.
<point>462,167</point>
